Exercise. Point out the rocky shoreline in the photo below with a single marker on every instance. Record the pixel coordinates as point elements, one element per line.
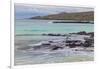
<point>72,40</point>
<point>82,22</point>
<point>78,33</point>
<point>72,47</point>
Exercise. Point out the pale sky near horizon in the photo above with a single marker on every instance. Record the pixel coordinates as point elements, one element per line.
<point>31,10</point>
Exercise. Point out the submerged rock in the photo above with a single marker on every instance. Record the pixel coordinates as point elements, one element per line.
<point>84,33</point>
<point>52,34</point>
<point>56,48</point>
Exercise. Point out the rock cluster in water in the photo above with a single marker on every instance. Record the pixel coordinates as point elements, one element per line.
<point>79,39</point>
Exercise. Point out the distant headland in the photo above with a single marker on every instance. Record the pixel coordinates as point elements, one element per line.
<point>77,17</point>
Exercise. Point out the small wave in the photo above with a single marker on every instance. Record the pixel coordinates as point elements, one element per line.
<point>40,43</point>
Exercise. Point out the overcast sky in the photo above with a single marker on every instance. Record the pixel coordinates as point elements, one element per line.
<point>29,10</point>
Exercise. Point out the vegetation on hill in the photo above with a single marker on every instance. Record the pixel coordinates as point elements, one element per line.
<point>87,16</point>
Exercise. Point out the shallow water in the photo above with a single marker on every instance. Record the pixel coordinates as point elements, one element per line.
<point>46,26</point>
<point>31,57</point>
<point>28,32</point>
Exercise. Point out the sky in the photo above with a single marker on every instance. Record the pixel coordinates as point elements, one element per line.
<point>31,10</point>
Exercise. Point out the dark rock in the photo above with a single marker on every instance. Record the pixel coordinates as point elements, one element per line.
<point>91,34</point>
<point>51,34</point>
<point>82,33</point>
<point>54,34</point>
<point>73,43</point>
<point>88,42</point>
<point>56,48</point>
<point>50,41</point>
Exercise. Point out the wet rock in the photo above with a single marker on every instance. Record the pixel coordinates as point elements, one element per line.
<point>51,34</point>
<point>73,43</point>
<point>56,48</point>
<point>82,33</point>
<point>91,34</point>
<point>88,43</point>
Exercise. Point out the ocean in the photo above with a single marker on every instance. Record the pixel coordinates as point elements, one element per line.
<point>46,26</point>
<point>28,32</point>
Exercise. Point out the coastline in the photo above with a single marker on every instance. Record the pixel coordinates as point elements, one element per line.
<point>55,48</point>
<point>82,22</point>
<point>46,47</point>
<point>66,21</point>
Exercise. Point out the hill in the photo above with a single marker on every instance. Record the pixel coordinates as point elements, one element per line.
<point>80,16</point>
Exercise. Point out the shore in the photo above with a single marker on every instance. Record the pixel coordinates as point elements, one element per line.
<point>57,56</point>
<point>74,21</point>
<point>73,47</point>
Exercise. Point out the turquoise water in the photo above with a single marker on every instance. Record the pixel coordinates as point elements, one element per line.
<point>46,26</point>
<point>27,33</point>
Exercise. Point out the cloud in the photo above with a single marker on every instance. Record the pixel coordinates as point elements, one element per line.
<point>35,10</point>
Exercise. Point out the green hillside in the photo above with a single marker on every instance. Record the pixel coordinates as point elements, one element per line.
<point>87,16</point>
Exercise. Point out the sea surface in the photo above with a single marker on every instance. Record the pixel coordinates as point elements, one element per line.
<point>28,32</point>
<point>46,26</point>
